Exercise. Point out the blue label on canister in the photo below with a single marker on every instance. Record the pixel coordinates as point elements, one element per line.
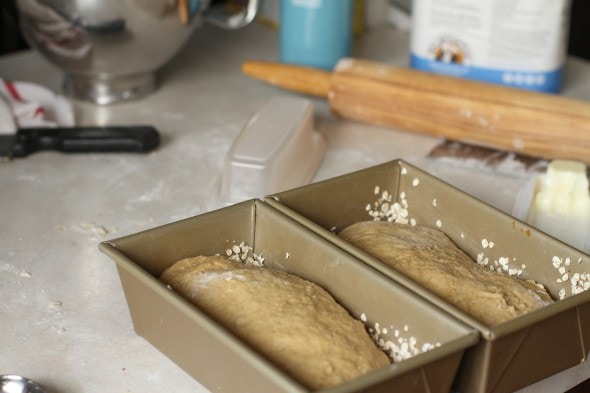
<point>544,81</point>
<point>519,43</point>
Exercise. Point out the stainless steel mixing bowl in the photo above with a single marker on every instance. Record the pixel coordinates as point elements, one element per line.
<point>19,384</point>
<point>110,50</point>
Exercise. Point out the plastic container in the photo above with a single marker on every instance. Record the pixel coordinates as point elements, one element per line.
<point>315,33</point>
<point>278,149</point>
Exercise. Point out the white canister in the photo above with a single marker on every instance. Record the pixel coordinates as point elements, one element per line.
<point>520,43</point>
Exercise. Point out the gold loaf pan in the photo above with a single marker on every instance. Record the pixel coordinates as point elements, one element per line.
<point>509,356</point>
<point>223,363</point>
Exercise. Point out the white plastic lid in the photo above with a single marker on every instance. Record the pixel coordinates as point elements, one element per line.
<point>278,149</point>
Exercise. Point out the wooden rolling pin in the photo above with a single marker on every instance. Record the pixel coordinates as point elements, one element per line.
<point>525,122</point>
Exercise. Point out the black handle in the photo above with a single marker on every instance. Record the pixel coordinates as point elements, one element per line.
<point>138,139</point>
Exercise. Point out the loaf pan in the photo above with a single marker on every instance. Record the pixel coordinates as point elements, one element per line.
<point>509,356</point>
<point>220,361</point>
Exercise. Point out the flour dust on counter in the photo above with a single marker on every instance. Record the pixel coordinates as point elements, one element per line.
<point>14,270</point>
<point>95,232</point>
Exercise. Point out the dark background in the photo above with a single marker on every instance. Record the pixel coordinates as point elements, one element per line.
<point>579,41</point>
<point>10,38</point>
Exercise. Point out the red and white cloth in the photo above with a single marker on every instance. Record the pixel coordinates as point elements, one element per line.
<point>25,104</point>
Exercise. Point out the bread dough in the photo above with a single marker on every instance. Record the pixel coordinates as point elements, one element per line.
<point>293,322</point>
<point>431,259</point>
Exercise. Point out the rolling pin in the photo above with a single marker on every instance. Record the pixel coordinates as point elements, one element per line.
<point>525,122</point>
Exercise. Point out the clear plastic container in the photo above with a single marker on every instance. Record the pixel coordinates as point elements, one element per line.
<point>278,149</point>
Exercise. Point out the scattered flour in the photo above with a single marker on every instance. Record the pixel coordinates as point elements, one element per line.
<point>14,270</point>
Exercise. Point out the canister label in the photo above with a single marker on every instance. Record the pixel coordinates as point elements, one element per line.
<point>520,43</point>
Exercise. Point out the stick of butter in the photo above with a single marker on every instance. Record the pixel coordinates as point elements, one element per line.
<point>561,203</point>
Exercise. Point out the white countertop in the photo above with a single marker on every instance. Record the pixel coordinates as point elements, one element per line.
<point>64,318</point>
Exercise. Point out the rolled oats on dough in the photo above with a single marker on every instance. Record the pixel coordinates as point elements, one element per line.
<point>431,259</point>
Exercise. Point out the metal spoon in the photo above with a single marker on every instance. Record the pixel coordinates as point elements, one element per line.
<point>19,384</point>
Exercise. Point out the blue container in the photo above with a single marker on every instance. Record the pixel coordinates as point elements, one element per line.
<point>315,33</point>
